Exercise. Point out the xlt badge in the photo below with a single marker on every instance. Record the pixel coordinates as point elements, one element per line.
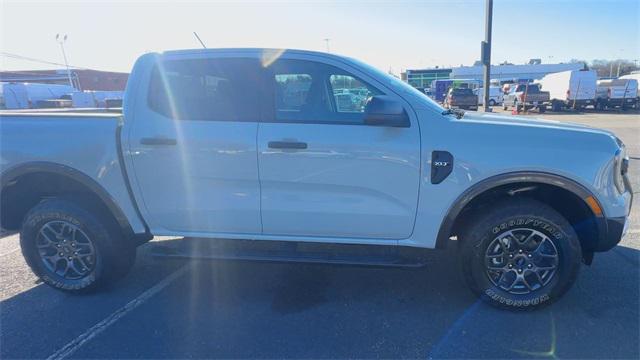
<point>441,165</point>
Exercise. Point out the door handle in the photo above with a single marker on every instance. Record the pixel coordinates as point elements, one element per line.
<point>287,145</point>
<point>158,141</point>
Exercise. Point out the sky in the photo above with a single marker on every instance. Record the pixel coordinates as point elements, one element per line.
<point>391,35</point>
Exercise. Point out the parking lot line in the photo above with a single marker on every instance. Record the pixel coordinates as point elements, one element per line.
<point>95,330</point>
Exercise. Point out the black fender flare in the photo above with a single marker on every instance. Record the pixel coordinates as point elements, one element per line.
<point>13,173</point>
<point>468,195</point>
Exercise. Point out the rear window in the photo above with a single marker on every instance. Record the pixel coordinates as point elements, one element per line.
<point>460,91</point>
<point>207,89</point>
<point>531,88</point>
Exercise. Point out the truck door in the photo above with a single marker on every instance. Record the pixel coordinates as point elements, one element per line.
<point>192,145</point>
<point>323,172</point>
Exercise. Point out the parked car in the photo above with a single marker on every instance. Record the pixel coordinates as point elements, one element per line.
<point>212,144</point>
<point>495,95</point>
<point>461,98</point>
<point>574,89</point>
<point>614,93</point>
<point>525,97</point>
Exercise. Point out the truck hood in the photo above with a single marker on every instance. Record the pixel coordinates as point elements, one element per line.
<point>520,121</point>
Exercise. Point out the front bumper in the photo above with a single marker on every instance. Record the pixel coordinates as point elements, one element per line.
<point>616,226</point>
<point>616,229</point>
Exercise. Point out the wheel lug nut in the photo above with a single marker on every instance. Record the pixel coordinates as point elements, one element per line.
<point>519,270</point>
<point>510,266</point>
<point>529,255</point>
<point>61,254</point>
<point>520,251</point>
<point>529,266</point>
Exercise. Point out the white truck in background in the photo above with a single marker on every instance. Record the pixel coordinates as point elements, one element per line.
<point>612,93</point>
<point>574,89</point>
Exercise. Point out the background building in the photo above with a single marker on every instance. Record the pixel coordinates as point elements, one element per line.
<point>510,71</point>
<point>422,78</point>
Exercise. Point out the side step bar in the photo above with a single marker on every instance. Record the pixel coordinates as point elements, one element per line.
<point>286,252</point>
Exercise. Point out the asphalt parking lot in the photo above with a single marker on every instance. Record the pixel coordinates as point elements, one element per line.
<point>178,309</point>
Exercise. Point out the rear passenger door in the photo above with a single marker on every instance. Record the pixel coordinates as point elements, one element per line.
<point>324,173</point>
<point>192,144</point>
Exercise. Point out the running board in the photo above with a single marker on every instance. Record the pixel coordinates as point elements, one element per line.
<point>287,252</point>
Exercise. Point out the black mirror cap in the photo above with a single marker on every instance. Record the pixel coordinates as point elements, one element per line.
<point>381,110</point>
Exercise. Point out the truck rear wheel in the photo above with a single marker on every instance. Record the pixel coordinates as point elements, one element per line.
<point>520,255</point>
<point>72,249</point>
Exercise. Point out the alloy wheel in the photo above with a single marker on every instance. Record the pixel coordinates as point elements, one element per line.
<point>66,250</point>
<point>521,261</point>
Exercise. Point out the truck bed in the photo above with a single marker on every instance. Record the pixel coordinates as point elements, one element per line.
<point>85,143</point>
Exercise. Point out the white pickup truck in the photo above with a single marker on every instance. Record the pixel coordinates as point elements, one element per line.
<point>243,145</point>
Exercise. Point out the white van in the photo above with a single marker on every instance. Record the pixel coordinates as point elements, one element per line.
<point>571,89</point>
<point>617,93</point>
<point>495,95</point>
<point>635,76</point>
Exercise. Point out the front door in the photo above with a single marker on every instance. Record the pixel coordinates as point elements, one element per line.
<point>193,146</point>
<point>323,172</point>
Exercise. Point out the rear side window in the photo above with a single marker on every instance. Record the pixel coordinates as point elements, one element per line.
<point>207,89</point>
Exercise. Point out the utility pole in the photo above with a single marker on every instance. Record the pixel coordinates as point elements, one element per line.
<point>61,41</point>
<point>611,69</point>
<point>486,53</point>
<point>326,40</point>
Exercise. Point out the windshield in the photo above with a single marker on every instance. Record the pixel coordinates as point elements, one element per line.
<point>398,84</point>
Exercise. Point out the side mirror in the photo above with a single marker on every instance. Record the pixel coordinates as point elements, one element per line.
<point>381,110</point>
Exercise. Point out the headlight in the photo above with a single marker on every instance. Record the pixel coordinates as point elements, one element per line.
<point>621,166</point>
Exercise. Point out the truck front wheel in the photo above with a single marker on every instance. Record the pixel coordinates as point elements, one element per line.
<point>72,249</point>
<point>520,255</point>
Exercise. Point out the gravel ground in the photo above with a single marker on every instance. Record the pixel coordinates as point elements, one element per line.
<point>177,309</point>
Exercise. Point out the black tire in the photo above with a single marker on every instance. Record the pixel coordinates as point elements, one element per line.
<point>542,109</point>
<point>492,102</point>
<point>102,251</point>
<point>556,106</point>
<point>545,229</point>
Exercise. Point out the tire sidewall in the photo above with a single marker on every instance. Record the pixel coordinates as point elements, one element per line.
<point>564,240</point>
<point>98,235</point>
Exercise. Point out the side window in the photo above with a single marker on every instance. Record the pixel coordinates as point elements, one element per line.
<point>349,93</point>
<point>206,89</point>
<point>311,92</point>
